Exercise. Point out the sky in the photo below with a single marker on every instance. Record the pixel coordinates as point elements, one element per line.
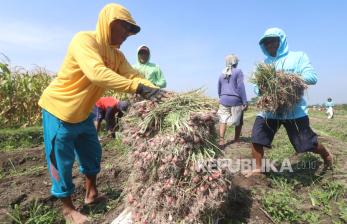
<point>188,39</point>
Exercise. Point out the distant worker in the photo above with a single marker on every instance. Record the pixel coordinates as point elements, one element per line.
<point>232,98</point>
<point>111,110</point>
<point>151,71</point>
<point>329,104</point>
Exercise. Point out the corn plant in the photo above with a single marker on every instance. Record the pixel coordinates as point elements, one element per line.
<point>20,91</point>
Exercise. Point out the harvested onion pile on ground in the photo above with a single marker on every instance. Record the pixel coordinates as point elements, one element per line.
<point>279,91</point>
<point>169,140</point>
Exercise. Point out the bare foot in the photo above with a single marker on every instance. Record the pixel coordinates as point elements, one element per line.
<point>74,217</point>
<point>328,161</point>
<point>221,143</point>
<point>94,199</point>
<point>236,140</point>
<point>251,173</point>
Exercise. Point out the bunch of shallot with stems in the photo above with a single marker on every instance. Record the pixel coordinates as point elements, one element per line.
<point>279,91</point>
<point>172,141</point>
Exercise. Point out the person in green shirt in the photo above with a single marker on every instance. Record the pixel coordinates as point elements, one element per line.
<point>150,71</point>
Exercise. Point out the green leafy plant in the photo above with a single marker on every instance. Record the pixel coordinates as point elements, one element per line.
<point>20,91</point>
<point>20,138</point>
<point>343,211</point>
<point>280,202</point>
<point>37,213</point>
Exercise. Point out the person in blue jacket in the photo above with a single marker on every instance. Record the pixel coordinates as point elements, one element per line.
<point>274,45</point>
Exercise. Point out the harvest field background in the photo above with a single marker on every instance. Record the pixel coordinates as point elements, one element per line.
<point>307,195</point>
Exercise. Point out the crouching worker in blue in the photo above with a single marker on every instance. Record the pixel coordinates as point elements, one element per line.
<point>112,110</point>
<point>274,45</point>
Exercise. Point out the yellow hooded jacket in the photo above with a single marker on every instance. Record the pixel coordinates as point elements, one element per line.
<point>91,66</point>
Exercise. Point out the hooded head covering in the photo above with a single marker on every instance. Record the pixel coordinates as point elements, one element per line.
<point>143,48</point>
<point>108,14</point>
<point>230,61</point>
<point>149,70</point>
<point>283,46</point>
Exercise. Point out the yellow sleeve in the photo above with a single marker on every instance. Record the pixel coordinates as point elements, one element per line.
<point>125,68</point>
<point>85,51</point>
<point>145,82</point>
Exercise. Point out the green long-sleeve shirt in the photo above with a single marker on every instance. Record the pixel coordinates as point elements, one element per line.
<point>150,71</point>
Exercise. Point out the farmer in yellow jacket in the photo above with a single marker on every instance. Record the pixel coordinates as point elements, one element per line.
<point>93,63</point>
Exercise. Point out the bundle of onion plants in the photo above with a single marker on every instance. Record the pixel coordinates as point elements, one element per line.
<point>173,142</point>
<point>279,91</point>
